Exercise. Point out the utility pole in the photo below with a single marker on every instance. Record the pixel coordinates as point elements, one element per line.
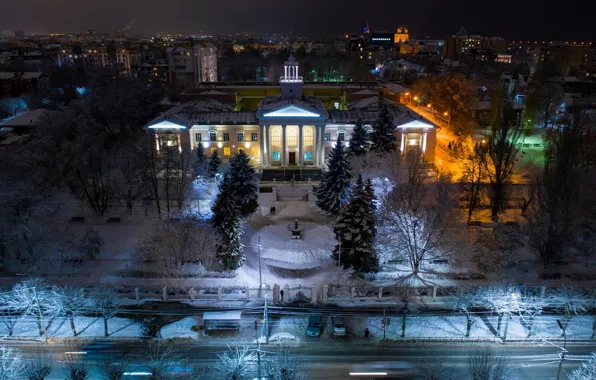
<point>258,348</point>
<point>384,323</point>
<point>260,273</point>
<point>266,322</point>
<point>563,349</point>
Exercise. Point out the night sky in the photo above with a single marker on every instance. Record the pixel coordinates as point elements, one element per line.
<point>528,19</point>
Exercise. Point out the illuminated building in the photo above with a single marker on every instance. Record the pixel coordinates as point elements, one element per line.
<point>401,35</point>
<point>292,124</point>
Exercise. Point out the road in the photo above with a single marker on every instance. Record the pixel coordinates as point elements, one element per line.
<point>335,360</point>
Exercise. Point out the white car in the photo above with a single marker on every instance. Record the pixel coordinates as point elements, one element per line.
<point>339,327</point>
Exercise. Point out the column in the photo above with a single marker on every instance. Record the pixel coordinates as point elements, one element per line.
<point>267,146</point>
<point>262,144</point>
<point>315,161</point>
<point>300,145</point>
<point>424,142</point>
<point>322,147</point>
<point>403,142</point>
<point>283,145</point>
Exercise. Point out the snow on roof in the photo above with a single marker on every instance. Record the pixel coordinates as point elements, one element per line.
<point>364,92</point>
<point>222,315</point>
<point>397,88</point>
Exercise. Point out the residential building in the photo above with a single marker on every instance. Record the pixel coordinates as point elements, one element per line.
<point>16,84</point>
<point>191,66</point>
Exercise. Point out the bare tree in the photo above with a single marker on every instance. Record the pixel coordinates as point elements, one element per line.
<point>238,363</point>
<point>433,370</point>
<point>531,306</point>
<point>283,365</point>
<point>90,244</point>
<point>503,301</point>
<point>570,300</point>
<point>183,178</point>
<point>114,369</point>
<point>11,363</point>
<point>76,368</point>
<point>106,305</point>
<point>36,297</point>
<point>415,215</point>
<point>40,366</point>
<point>172,243</point>
<point>587,371</point>
<point>10,312</point>
<point>466,298</point>
<point>131,180</point>
<point>500,155</point>
<point>485,364</point>
<point>160,360</point>
<point>471,182</point>
<point>71,302</point>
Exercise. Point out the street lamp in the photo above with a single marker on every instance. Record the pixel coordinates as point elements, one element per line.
<point>418,100</point>
<point>448,118</point>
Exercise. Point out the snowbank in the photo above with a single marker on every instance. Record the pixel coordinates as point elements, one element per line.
<point>180,329</point>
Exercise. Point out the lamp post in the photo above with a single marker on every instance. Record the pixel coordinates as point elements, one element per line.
<point>448,118</point>
<point>409,98</point>
<point>418,100</point>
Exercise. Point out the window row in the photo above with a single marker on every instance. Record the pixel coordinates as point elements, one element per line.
<point>226,136</point>
<point>227,151</point>
<point>292,136</point>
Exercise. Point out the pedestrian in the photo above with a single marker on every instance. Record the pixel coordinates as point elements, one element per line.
<point>366,333</point>
<point>281,293</point>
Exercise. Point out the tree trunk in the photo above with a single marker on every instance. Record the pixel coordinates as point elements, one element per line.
<point>105,326</point>
<point>403,325</point>
<point>530,325</point>
<point>468,326</point>
<point>72,326</point>
<point>39,325</point>
<point>499,318</point>
<point>594,328</point>
<point>507,317</point>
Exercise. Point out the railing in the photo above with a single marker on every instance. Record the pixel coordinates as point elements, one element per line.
<point>291,79</point>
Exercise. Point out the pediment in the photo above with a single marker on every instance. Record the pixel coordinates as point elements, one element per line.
<point>291,111</point>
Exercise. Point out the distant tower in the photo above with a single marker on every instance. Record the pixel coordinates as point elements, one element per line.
<point>401,35</point>
<point>291,83</point>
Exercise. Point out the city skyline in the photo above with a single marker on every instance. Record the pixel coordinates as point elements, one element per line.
<point>521,20</point>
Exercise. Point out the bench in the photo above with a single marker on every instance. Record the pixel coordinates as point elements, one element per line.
<point>77,219</point>
<point>114,219</point>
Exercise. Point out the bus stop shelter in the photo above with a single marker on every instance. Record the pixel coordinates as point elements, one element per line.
<point>221,320</point>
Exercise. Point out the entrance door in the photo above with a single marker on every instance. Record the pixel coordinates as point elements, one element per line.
<point>292,158</point>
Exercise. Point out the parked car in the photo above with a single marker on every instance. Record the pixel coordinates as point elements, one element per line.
<point>339,326</point>
<point>315,326</point>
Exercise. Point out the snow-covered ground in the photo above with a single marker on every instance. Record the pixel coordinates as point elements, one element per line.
<point>86,327</point>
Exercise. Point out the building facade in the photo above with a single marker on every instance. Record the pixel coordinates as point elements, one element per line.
<point>191,66</point>
<point>289,129</point>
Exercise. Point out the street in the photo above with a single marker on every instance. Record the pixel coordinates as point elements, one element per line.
<point>336,360</point>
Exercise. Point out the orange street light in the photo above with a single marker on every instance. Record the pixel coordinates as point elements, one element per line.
<point>415,98</point>
<point>428,105</point>
<point>445,114</point>
<point>407,94</point>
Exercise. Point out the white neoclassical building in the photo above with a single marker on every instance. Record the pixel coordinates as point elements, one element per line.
<point>289,128</point>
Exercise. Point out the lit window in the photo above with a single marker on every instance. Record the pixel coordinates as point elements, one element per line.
<point>253,137</point>
<point>292,136</point>
<point>275,156</point>
<point>341,135</point>
<point>198,137</point>
<point>276,136</point>
<point>212,136</point>
<point>336,105</point>
<point>226,151</point>
<point>240,136</point>
<point>327,136</point>
<point>309,136</point>
<point>307,156</point>
<point>226,136</point>
<point>213,150</point>
<point>254,151</point>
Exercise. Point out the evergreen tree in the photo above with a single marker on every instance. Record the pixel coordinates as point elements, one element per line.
<point>358,140</point>
<point>383,140</point>
<point>334,188</point>
<point>214,164</point>
<point>355,231</point>
<point>226,222</point>
<point>369,193</point>
<point>198,167</point>
<point>242,175</point>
